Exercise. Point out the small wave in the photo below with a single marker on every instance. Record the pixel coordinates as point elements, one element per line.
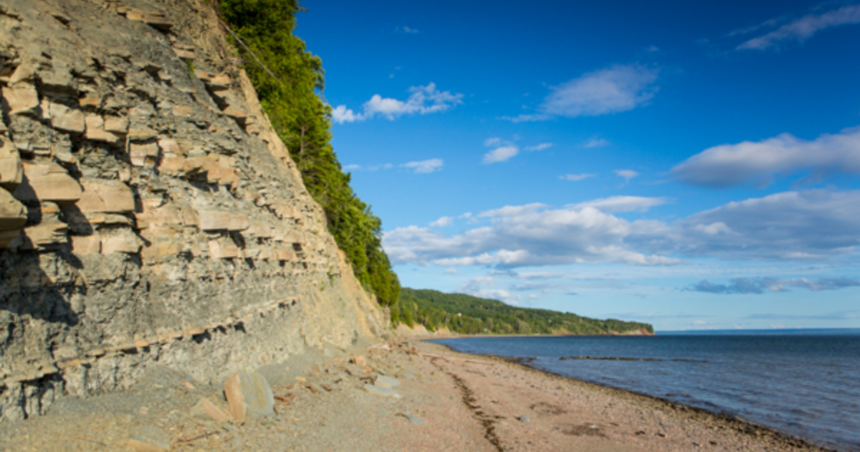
<point>623,358</point>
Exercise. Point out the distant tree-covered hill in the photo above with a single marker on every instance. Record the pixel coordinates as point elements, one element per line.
<point>466,314</point>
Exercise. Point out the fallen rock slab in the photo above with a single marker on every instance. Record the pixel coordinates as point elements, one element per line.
<point>208,410</point>
<point>249,395</point>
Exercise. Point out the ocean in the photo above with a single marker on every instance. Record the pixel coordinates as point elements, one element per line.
<point>803,384</point>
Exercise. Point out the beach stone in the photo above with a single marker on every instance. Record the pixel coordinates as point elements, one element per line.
<point>387,382</point>
<point>149,439</point>
<point>207,410</point>
<point>380,391</point>
<point>523,419</point>
<point>249,395</point>
<point>412,419</point>
<point>358,359</point>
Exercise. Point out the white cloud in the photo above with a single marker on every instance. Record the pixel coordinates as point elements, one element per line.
<point>341,114</point>
<point>623,203</point>
<point>371,168</point>
<point>595,143</point>
<point>407,30</point>
<point>626,174</point>
<point>442,222</point>
<point>804,28</point>
<point>529,235</point>
<point>612,90</point>
<point>425,166</point>
<point>422,100</point>
<point>500,154</point>
<point>492,141</point>
<point>759,162</point>
<point>800,226</point>
<point>576,177</point>
<point>762,285</point>
<point>811,224</point>
<point>451,271</point>
<point>539,147</point>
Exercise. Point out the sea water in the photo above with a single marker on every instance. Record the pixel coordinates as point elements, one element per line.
<point>805,385</point>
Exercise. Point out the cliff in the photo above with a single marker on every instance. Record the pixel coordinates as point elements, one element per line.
<point>149,215</point>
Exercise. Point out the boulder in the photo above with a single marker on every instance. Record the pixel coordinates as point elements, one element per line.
<point>47,182</point>
<point>286,255</point>
<point>13,214</point>
<point>248,395</point>
<point>106,197</point>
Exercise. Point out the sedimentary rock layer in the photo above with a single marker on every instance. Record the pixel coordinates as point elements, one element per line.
<point>149,215</point>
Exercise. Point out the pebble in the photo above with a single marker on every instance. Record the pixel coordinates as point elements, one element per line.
<point>523,419</point>
<point>412,419</point>
<point>387,382</point>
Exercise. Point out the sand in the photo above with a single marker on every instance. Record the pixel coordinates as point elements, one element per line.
<point>449,401</point>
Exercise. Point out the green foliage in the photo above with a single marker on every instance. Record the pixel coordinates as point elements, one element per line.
<point>302,120</point>
<point>466,314</point>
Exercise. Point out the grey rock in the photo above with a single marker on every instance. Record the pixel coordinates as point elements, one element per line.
<point>523,419</point>
<point>380,391</point>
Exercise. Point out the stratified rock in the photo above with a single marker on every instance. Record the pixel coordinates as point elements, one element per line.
<point>106,197</point>
<point>248,395</point>
<point>13,215</point>
<point>11,169</point>
<point>21,98</point>
<point>47,182</point>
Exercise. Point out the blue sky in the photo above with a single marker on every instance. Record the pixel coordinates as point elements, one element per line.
<point>689,164</point>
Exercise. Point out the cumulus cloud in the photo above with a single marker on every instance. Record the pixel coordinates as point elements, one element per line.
<point>442,222</point>
<point>576,177</point>
<point>762,285</point>
<point>500,154</point>
<point>810,224</point>
<point>528,235</point>
<point>805,225</point>
<point>425,166</point>
<point>623,203</point>
<point>422,100</point>
<point>539,147</point>
<point>611,90</point>
<point>758,163</point>
<point>626,174</point>
<point>804,28</point>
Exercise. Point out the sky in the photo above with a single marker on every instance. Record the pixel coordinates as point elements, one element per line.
<point>693,165</point>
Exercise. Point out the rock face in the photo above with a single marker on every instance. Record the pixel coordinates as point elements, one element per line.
<point>149,215</point>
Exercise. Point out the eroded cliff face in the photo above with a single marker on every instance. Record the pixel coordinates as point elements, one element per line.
<point>148,213</point>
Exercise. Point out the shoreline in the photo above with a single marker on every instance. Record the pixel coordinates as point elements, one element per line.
<point>737,423</point>
<point>445,400</point>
